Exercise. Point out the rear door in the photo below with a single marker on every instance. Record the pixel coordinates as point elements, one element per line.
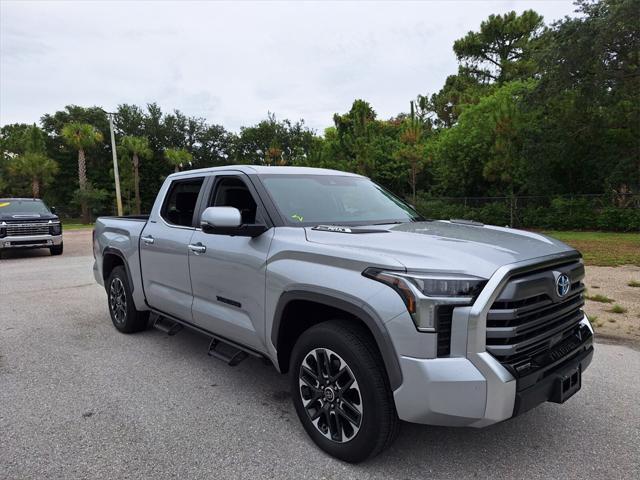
<point>164,249</point>
<point>228,272</point>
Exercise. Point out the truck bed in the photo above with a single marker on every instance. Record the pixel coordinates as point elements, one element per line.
<point>121,234</point>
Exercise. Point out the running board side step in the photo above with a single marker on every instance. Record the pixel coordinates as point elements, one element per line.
<point>226,352</point>
<point>165,325</point>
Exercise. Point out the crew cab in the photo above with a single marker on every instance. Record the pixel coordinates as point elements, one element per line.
<point>29,223</point>
<point>376,313</point>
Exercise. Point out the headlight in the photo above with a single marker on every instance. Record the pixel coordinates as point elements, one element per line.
<point>3,229</point>
<point>55,228</point>
<point>423,294</point>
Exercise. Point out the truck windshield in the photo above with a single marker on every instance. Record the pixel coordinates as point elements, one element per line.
<point>12,206</point>
<point>335,200</point>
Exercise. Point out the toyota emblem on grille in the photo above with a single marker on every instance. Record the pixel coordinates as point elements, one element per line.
<point>563,284</point>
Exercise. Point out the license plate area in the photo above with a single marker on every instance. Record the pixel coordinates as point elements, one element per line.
<point>566,385</point>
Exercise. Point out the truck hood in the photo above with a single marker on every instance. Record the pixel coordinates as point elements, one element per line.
<point>27,217</point>
<point>444,246</point>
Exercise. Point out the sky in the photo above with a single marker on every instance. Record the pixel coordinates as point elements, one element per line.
<point>232,62</point>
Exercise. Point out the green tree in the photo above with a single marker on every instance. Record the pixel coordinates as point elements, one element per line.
<point>81,136</point>
<point>356,130</point>
<point>138,148</point>
<point>591,91</point>
<point>485,151</point>
<point>178,157</point>
<point>37,167</point>
<point>458,92</point>
<point>274,142</point>
<point>33,164</point>
<point>412,151</point>
<point>502,50</point>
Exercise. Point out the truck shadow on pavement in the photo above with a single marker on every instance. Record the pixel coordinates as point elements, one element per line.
<point>469,451</point>
<point>24,253</point>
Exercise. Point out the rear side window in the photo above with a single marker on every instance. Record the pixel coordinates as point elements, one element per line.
<point>180,203</point>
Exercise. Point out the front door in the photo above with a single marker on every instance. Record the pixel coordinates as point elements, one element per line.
<point>228,274</point>
<point>164,250</point>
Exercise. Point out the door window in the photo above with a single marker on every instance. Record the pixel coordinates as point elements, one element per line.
<point>180,203</point>
<point>233,192</point>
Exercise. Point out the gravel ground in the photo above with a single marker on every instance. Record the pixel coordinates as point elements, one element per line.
<point>80,400</point>
<point>613,282</point>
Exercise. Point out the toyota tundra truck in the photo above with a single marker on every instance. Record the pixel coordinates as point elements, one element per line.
<point>376,313</point>
<point>29,223</point>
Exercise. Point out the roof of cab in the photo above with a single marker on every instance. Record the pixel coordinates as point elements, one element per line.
<point>264,170</point>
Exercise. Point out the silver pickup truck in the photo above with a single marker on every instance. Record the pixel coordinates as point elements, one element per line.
<point>377,314</point>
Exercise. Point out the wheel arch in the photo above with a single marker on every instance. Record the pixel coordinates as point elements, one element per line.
<point>317,308</point>
<point>112,258</point>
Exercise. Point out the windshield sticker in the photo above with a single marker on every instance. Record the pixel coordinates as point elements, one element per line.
<point>4,204</point>
<point>297,217</point>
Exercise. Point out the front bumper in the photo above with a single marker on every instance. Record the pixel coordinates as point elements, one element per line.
<point>30,241</point>
<point>471,387</point>
<point>461,392</point>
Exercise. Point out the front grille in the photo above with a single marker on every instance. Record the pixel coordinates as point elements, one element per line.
<point>31,228</point>
<point>529,318</point>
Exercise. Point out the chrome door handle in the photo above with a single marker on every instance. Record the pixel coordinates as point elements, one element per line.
<point>198,248</point>
<point>148,240</point>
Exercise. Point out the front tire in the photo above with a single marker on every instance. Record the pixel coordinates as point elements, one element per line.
<point>123,312</point>
<point>341,392</point>
<point>56,249</point>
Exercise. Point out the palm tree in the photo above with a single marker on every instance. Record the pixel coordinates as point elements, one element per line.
<point>138,147</point>
<point>178,157</point>
<point>37,167</point>
<point>411,151</point>
<point>80,136</point>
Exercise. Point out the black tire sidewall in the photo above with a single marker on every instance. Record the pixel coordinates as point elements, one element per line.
<point>367,375</point>
<point>131,322</point>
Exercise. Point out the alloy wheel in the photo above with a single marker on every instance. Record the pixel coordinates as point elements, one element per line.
<point>330,395</point>
<point>118,301</point>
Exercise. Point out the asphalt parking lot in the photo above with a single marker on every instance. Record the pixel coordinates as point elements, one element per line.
<point>80,400</point>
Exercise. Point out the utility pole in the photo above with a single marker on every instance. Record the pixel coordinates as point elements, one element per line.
<point>116,175</point>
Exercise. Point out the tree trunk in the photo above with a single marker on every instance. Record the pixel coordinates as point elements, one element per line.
<point>82,182</point>
<point>136,181</point>
<point>177,169</point>
<point>35,187</point>
<point>414,178</point>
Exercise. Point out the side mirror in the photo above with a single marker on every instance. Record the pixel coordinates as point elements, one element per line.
<point>225,217</point>
<point>53,210</point>
<point>228,221</point>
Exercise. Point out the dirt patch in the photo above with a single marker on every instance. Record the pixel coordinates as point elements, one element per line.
<point>612,283</point>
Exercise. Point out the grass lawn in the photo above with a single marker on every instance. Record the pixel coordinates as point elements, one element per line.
<point>76,226</point>
<point>603,248</point>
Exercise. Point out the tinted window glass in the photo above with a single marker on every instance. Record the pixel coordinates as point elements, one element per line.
<point>233,192</point>
<point>181,201</point>
<point>335,199</point>
<point>22,206</point>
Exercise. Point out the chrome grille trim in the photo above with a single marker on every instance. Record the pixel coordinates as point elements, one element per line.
<point>31,228</point>
<point>535,319</point>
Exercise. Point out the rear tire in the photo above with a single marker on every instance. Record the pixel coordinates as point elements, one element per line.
<point>56,249</point>
<point>123,311</point>
<point>351,414</point>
